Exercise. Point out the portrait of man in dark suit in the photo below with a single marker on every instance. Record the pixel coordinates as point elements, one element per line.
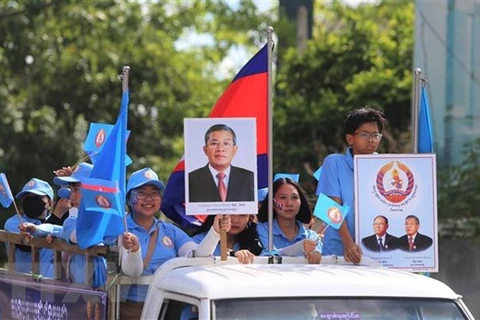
<point>413,240</point>
<point>218,180</point>
<point>381,240</point>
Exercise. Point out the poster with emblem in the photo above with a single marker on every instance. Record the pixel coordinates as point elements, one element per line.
<point>396,210</point>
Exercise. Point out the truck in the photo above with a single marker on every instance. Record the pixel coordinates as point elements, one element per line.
<point>273,287</point>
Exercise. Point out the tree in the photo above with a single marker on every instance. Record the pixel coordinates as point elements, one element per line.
<point>59,61</point>
<point>352,60</point>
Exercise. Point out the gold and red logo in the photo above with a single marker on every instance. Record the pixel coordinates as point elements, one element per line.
<point>167,242</point>
<point>103,202</point>
<point>149,174</point>
<point>334,215</point>
<point>2,190</point>
<point>100,138</point>
<point>395,182</point>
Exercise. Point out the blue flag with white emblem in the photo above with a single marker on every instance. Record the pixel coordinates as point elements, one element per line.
<point>330,212</point>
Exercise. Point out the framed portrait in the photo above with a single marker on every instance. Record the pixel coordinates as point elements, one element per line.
<point>396,210</point>
<point>220,166</point>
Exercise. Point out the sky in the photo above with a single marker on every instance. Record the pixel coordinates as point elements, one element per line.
<point>237,56</point>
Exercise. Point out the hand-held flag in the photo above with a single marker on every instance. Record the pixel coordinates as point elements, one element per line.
<point>98,134</point>
<point>330,212</point>
<point>6,196</point>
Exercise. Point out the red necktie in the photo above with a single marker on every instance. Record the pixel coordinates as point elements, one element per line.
<point>222,188</point>
<point>410,243</point>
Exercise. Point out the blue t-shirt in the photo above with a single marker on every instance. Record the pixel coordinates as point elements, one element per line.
<point>336,180</point>
<point>281,241</point>
<point>77,262</point>
<point>170,238</point>
<point>23,259</point>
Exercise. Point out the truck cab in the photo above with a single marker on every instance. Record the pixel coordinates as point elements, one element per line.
<point>207,288</point>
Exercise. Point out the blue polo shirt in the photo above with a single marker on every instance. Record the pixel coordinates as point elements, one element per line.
<point>199,237</point>
<point>23,259</point>
<point>281,241</point>
<point>336,180</point>
<point>170,238</point>
<point>77,262</point>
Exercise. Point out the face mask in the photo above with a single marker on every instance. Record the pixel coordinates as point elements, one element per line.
<point>33,207</point>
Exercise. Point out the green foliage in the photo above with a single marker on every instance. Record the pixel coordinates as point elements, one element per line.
<point>458,186</point>
<point>59,61</point>
<point>353,60</point>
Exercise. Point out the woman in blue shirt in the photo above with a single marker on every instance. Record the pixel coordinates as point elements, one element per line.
<point>151,242</point>
<point>291,211</point>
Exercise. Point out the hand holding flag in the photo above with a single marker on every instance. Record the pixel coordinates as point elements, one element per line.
<point>330,212</point>
<point>6,196</point>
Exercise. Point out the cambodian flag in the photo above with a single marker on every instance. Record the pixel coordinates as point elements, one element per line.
<point>6,196</point>
<point>329,211</point>
<point>245,97</point>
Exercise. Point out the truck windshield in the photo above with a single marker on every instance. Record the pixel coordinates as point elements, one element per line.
<point>337,308</point>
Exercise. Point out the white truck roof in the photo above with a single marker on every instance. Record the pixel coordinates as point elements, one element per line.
<point>225,281</point>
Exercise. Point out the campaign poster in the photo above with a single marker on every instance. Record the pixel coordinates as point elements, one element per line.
<point>220,166</point>
<point>396,210</point>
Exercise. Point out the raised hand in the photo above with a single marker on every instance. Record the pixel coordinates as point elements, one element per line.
<point>130,242</point>
<point>222,222</point>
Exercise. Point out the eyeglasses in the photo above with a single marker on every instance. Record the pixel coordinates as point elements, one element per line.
<point>142,195</point>
<point>216,144</point>
<point>367,136</point>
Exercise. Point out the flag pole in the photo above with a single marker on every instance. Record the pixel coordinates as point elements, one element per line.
<point>125,77</point>
<point>269,32</point>
<point>417,74</point>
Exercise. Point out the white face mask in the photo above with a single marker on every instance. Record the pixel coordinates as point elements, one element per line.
<point>73,212</point>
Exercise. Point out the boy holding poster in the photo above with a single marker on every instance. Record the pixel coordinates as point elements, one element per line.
<point>363,129</point>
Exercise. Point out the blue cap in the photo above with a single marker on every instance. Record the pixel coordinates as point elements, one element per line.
<point>82,170</point>
<point>64,193</point>
<point>262,193</point>
<point>293,176</point>
<point>38,187</point>
<point>142,177</point>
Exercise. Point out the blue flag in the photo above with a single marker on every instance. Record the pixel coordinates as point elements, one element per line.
<point>330,212</point>
<point>6,196</point>
<point>93,225</point>
<point>98,134</point>
<point>425,136</point>
<point>317,174</point>
<point>101,195</point>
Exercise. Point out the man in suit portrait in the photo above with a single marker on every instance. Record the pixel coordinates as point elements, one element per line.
<point>381,240</point>
<point>413,241</point>
<point>218,180</point>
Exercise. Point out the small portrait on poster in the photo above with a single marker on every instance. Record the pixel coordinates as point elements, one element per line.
<point>396,210</point>
<point>220,166</point>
